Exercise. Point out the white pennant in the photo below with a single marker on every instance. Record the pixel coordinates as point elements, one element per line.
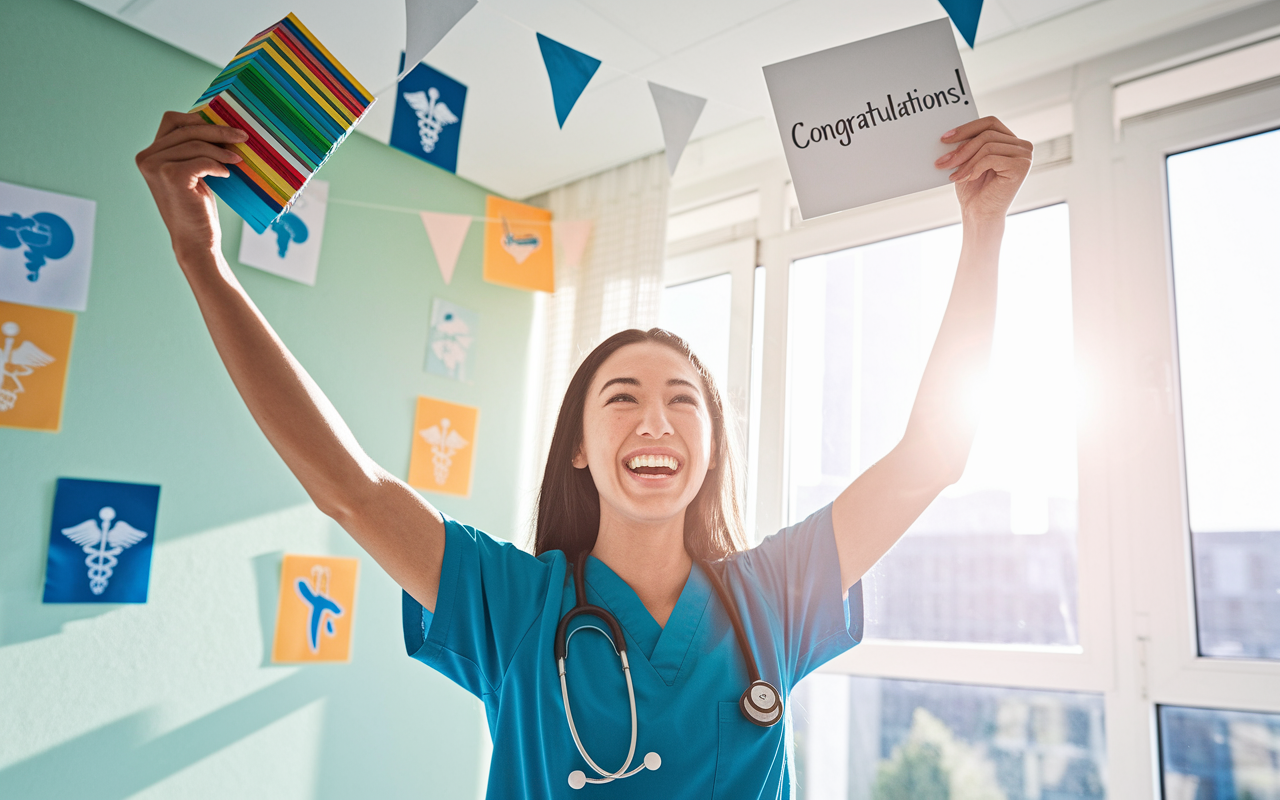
<point>677,113</point>
<point>572,234</point>
<point>446,233</point>
<point>426,23</point>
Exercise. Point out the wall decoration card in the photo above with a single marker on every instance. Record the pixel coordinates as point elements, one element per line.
<point>100,542</point>
<point>428,119</point>
<point>290,246</point>
<point>517,246</point>
<point>444,436</point>
<point>46,247</point>
<point>863,122</point>
<point>449,343</point>
<point>316,610</point>
<point>35,347</point>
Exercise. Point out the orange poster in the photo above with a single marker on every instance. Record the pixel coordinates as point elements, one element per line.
<point>517,246</point>
<point>444,436</point>
<point>317,606</point>
<point>35,344</point>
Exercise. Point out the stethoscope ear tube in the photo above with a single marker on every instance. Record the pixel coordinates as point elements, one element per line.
<point>761,703</point>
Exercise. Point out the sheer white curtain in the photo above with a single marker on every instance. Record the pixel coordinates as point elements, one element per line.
<point>617,285</point>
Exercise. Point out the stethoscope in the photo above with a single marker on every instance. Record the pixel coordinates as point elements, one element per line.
<point>760,703</point>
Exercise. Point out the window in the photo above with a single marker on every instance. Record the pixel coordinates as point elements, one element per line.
<point>1224,201</point>
<point>1207,754</point>
<point>698,312</point>
<point>994,558</point>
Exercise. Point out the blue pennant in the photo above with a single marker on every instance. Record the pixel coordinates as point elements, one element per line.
<point>570,72</point>
<point>964,14</point>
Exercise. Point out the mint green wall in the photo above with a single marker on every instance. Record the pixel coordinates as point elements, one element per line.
<point>173,698</point>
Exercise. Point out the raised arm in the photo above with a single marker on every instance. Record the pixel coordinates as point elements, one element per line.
<point>989,165</point>
<point>403,533</point>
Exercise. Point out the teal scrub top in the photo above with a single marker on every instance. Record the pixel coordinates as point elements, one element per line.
<point>493,633</point>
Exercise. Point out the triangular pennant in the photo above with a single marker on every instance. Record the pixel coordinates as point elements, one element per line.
<point>572,235</point>
<point>446,233</point>
<point>426,23</point>
<point>677,113</point>
<point>964,15</point>
<point>570,72</point>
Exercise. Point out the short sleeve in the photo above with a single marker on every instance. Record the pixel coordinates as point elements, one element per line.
<point>797,570</point>
<point>491,594</point>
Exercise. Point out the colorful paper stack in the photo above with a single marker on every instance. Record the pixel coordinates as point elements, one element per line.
<point>296,102</point>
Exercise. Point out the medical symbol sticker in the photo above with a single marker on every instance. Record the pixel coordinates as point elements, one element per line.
<point>100,542</point>
<point>518,246</point>
<point>317,602</point>
<point>35,344</point>
<point>290,246</point>
<point>444,439</point>
<point>46,247</point>
<point>428,117</point>
<point>453,331</point>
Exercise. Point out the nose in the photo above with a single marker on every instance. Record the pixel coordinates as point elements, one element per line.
<point>654,423</point>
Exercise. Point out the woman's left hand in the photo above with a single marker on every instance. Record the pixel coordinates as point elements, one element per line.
<point>989,165</point>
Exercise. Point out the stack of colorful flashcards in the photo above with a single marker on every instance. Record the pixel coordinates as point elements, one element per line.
<point>296,102</point>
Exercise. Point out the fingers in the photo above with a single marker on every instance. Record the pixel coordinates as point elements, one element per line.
<point>176,119</point>
<point>188,173</point>
<point>173,145</point>
<point>972,129</point>
<point>1014,152</point>
<point>968,148</point>
<point>1013,168</point>
<point>190,150</point>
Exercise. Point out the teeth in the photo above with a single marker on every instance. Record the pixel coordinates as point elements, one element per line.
<point>654,461</point>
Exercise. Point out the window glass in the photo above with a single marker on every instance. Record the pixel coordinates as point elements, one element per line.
<point>1224,202</point>
<point>1219,755</point>
<point>994,558</point>
<point>877,739</point>
<point>698,312</point>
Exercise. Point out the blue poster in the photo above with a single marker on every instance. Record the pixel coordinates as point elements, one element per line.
<point>100,542</point>
<point>453,331</point>
<point>428,120</point>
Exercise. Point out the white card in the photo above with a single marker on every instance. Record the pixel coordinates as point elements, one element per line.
<point>46,248</point>
<point>290,246</point>
<point>862,122</point>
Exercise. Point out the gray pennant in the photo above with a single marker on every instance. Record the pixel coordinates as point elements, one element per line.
<point>677,113</point>
<point>426,23</point>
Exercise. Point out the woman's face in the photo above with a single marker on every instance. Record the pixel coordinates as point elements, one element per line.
<point>646,433</point>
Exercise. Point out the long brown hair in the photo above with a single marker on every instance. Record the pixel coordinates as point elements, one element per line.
<point>568,503</point>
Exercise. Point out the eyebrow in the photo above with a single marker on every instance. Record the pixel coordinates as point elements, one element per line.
<point>634,382</point>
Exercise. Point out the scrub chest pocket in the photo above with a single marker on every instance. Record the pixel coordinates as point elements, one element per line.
<point>742,743</point>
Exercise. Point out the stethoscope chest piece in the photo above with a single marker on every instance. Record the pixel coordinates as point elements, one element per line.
<point>761,704</point>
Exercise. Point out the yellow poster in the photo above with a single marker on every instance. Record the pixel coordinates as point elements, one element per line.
<point>316,609</point>
<point>35,345</point>
<point>444,436</point>
<point>517,246</point>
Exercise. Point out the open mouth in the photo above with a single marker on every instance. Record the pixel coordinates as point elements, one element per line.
<point>653,466</point>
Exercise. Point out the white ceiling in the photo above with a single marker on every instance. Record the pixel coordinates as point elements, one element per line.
<point>712,48</point>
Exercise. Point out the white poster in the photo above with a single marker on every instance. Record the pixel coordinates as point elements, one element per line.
<point>290,246</point>
<point>46,248</point>
<point>863,122</point>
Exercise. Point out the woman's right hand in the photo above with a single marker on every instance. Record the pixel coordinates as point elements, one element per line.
<point>185,150</point>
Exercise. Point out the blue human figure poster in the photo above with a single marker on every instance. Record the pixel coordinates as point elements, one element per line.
<point>428,118</point>
<point>100,542</point>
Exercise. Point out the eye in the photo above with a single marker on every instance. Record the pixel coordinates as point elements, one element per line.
<point>685,398</point>
<point>620,398</point>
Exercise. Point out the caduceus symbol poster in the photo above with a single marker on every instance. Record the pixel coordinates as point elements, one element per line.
<point>100,542</point>
<point>444,436</point>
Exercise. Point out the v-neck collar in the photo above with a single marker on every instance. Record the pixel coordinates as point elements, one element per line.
<point>665,648</point>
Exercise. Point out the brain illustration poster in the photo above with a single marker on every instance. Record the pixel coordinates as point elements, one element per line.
<point>290,246</point>
<point>444,436</point>
<point>100,542</point>
<point>517,246</point>
<point>316,609</point>
<point>35,345</point>
<point>46,248</point>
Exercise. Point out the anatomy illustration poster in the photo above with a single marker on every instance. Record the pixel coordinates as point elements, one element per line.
<point>316,609</point>
<point>517,246</point>
<point>444,436</point>
<point>449,343</point>
<point>35,345</point>
<point>100,542</point>
<point>290,246</point>
<point>46,247</point>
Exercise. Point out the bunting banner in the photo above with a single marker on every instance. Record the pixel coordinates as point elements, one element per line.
<point>446,232</point>
<point>678,113</point>
<point>518,246</point>
<point>46,248</point>
<point>426,23</point>
<point>100,542</point>
<point>316,609</point>
<point>444,436</point>
<point>572,235</point>
<point>290,246</point>
<point>428,118</point>
<point>35,345</point>
<point>964,14</point>
<point>569,70</point>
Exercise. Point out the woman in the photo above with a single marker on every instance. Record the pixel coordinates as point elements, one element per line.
<point>637,519</point>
